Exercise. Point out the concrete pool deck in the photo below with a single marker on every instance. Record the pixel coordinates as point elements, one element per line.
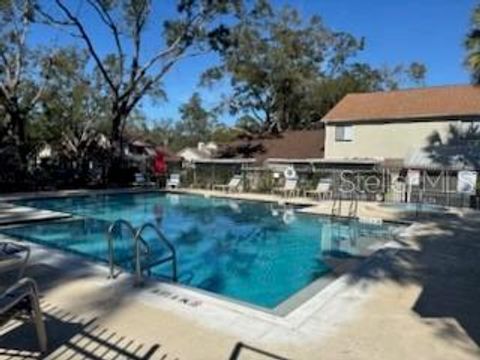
<point>416,301</point>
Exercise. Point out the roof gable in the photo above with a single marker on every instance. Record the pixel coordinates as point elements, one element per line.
<point>412,104</point>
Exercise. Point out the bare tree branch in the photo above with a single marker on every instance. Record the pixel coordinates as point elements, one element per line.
<point>138,74</point>
<point>109,22</point>
<point>140,21</point>
<point>89,44</point>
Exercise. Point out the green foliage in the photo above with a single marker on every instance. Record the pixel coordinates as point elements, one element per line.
<point>472,45</point>
<point>285,72</point>
<point>265,182</point>
<point>23,70</point>
<point>249,124</point>
<point>222,134</point>
<point>281,66</point>
<point>417,73</point>
<point>196,123</point>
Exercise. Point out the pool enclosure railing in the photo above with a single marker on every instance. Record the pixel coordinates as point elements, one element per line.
<point>373,182</point>
<point>141,247</point>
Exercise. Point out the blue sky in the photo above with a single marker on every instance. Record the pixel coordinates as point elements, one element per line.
<point>396,32</point>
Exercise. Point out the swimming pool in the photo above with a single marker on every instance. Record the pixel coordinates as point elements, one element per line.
<point>253,252</point>
<point>416,207</point>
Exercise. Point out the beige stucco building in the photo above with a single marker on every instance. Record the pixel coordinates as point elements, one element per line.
<point>425,139</point>
<point>394,125</point>
<point>385,140</point>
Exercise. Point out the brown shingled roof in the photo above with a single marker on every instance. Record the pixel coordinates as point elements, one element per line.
<point>300,144</point>
<point>421,103</point>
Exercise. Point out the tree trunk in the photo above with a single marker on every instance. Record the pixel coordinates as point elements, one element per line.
<point>120,115</point>
<point>18,124</point>
<point>117,151</point>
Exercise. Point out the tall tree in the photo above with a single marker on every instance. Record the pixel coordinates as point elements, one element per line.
<point>72,101</point>
<point>132,72</point>
<point>417,73</point>
<point>287,72</point>
<point>22,73</point>
<point>274,57</point>
<point>196,124</point>
<point>72,116</point>
<point>472,45</point>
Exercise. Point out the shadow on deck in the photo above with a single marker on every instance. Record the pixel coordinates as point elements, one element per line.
<point>251,352</point>
<point>444,261</point>
<point>72,337</point>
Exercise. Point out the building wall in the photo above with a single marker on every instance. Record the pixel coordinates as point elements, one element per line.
<point>384,140</point>
<point>190,155</point>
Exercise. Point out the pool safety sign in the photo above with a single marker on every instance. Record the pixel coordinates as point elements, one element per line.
<point>413,177</point>
<point>467,182</point>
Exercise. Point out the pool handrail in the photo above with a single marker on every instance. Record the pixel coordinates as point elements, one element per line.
<point>111,251</point>
<point>166,242</point>
<point>336,206</point>
<point>353,208</point>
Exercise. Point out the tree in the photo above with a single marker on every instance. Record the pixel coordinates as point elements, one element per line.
<point>248,124</point>
<point>417,73</point>
<point>23,74</point>
<point>162,133</point>
<point>273,58</point>
<point>72,101</point>
<point>128,72</point>
<point>287,72</point>
<point>472,45</point>
<point>196,123</point>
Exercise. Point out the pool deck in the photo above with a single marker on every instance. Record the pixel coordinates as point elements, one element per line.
<point>416,300</point>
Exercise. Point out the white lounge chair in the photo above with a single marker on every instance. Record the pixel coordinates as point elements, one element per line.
<point>322,191</point>
<point>20,295</point>
<point>233,185</point>
<point>22,298</point>
<point>289,189</point>
<point>13,256</point>
<point>140,180</point>
<point>173,181</point>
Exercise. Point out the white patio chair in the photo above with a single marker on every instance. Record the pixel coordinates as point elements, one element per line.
<point>173,181</point>
<point>13,256</point>
<point>233,185</point>
<point>288,189</point>
<point>322,191</point>
<point>141,181</point>
<point>19,297</point>
<point>21,300</point>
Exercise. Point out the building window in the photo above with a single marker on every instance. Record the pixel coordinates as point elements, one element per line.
<point>344,133</point>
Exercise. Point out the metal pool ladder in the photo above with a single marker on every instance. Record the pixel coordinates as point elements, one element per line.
<point>353,208</point>
<point>141,247</point>
<point>337,206</point>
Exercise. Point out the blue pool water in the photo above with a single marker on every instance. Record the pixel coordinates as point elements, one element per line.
<point>416,207</point>
<point>250,251</point>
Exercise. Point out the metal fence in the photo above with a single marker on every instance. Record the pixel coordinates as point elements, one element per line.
<point>366,183</point>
